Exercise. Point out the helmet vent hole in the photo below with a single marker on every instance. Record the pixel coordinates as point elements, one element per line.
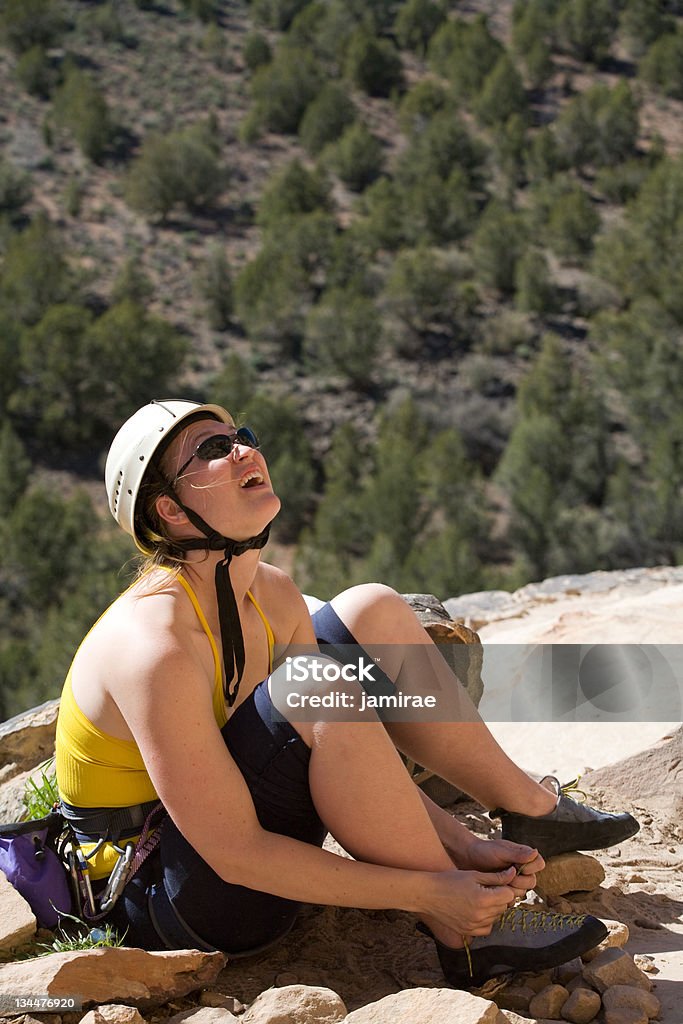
<point>142,458</point>
<point>129,491</point>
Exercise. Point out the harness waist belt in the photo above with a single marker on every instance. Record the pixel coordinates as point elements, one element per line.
<point>107,821</point>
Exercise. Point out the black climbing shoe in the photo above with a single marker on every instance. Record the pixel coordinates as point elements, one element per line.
<point>571,826</point>
<point>523,939</point>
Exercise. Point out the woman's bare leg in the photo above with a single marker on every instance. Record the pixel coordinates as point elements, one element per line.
<point>463,752</point>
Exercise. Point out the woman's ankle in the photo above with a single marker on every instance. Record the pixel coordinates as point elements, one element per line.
<point>448,936</point>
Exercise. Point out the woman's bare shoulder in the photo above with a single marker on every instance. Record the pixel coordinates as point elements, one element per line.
<point>281,600</point>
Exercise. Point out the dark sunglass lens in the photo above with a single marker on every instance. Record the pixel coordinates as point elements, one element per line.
<point>215,447</point>
<point>245,435</point>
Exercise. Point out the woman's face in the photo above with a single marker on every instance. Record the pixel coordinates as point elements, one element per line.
<point>232,493</point>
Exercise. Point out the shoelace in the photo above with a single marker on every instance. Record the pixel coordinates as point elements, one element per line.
<point>539,920</point>
<point>568,789</point>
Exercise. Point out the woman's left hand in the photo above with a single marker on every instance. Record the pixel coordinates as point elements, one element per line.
<point>498,854</point>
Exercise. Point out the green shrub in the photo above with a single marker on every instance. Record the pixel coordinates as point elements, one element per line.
<point>621,183</point>
<point>419,105</point>
<point>421,290</point>
<point>28,23</point>
<point>283,89</point>
<point>132,283</point>
<point>416,23</point>
<point>214,283</point>
<point>342,335</point>
<point>532,24</point>
<point>15,468</point>
<point>662,65</point>
<point>498,243</point>
<point>179,169</point>
<point>584,28</point>
<point>543,156</point>
<point>358,157</point>
<point>435,211</point>
<point>81,377</point>
<point>293,190</point>
<point>15,189</point>
<point>502,94</point>
<point>534,290</point>
<point>35,274</point>
<point>256,51</point>
<point>81,107</point>
<point>277,14</point>
<point>465,52</point>
<point>203,10</point>
<point>539,64</point>
<point>600,126</point>
<point>642,22</point>
<point>381,206</point>
<point>36,73</point>
<point>373,65</point>
<point>326,117</point>
<point>572,224</point>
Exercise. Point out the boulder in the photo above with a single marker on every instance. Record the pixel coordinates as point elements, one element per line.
<point>204,1015</point>
<point>429,1006</point>
<point>548,1002</point>
<point>618,935</point>
<point>626,997</point>
<point>29,738</point>
<point>214,998</point>
<point>614,967</point>
<point>296,1004</point>
<point>569,872</point>
<point>17,921</point>
<point>114,975</point>
<point>113,1013</point>
<point>582,1006</point>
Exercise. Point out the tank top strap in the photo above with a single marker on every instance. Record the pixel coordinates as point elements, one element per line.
<point>269,631</point>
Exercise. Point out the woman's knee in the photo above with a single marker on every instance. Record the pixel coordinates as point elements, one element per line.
<point>374,611</point>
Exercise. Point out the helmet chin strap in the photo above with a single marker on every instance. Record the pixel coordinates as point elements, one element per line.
<point>232,640</point>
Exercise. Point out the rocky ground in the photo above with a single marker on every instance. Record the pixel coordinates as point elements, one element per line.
<point>369,967</point>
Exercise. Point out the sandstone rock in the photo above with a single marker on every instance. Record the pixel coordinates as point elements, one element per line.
<point>570,872</point>
<point>113,1013</point>
<point>625,1017</point>
<point>296,1004</point>
<point>582,1006</point>
<point>17,921</point>
<point>213,998</point>
<point>617,938</point>
<point>578,982</point>
<point>113,975</point>
<point>537,981</point>
<point>514,1018</point>
<point>626,997</point>
<point>29,738</point>
<point>429,1006</point>
<point>614,967</point>
<point>565,973</point>
<point>548,1002</point>
<point>515,997</point>
<point>204,1015</point>
<point>459,645</point>
<point>12,787</point>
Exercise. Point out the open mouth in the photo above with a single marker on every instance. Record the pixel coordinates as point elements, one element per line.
<point>251,479</point>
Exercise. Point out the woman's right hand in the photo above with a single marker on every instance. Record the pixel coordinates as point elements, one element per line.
<point>468,902</point>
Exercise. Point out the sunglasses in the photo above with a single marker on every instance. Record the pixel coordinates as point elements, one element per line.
<point>219,446</point>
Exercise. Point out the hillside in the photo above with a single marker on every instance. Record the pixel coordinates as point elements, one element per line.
<point>375,230</point>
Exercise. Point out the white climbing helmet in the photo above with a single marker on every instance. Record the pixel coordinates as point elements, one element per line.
<point>132,450</point>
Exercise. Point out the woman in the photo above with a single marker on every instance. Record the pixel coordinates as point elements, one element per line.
<point>168,699</point>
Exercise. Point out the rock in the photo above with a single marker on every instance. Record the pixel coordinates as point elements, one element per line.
<point>12,793</point>
<point>616,939</point>
<point>296,1004</point>
<point>570,872</point>
<point>582,1006</point>
<point>567,972</point>
<point>514,1018</point>
<point>614,967</point>
<point>459,645</point>
<point>537,981</point>
<point>204,1015</point>
<point>429,1006</point>
<point>625,1017</point>
<point>656,775</point>
<point>29,738</point>
<point>17,920</point>
<point>548,1002</point>
<point>515,997</point>
<point>113,1013</point>
<point>626,997</point>
<point>212,998</point>
<point>114,975</point>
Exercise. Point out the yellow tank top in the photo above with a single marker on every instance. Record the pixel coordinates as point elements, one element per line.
<point>95,769</point>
